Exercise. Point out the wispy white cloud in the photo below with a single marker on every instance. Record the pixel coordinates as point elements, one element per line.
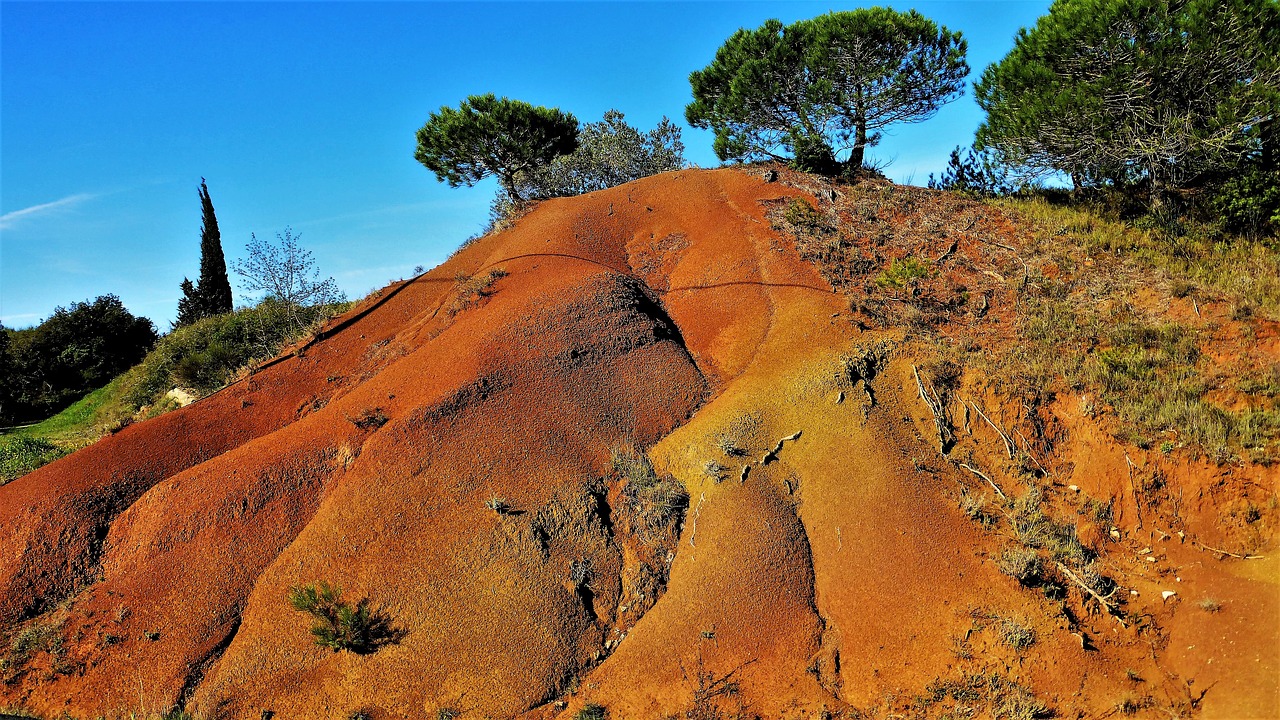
<point>19,320</point>
<point>9,219</point>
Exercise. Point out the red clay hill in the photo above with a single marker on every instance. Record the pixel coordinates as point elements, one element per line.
<point>468,453</point>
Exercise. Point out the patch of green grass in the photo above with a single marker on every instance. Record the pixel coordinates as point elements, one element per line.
<point>1246,270</point>
<point>902,272</point>
<point>805,218</point>
<point>1152,374</point>
<point>20,455</point>
<point>591,711</point>
<point>1078,330</point>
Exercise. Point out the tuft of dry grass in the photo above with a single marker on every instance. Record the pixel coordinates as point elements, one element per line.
<point>469,290</point>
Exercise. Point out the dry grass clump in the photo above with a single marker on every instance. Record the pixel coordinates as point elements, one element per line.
<point>471,289</point>
<point>39,637</point>
<point>1016,635</point>
<point>1022,564</point>
<point>655,505</point>
<point>1132,705</point>
<point>976,507</point>
<point>967,696</point>
<point>1199,256</point>
<point>902,255</point>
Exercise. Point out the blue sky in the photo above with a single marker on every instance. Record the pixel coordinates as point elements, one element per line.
<point>303,115</point>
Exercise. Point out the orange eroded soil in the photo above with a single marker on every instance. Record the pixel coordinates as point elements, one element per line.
<point>839,575</point>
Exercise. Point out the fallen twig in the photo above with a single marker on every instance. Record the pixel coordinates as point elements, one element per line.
<point>1031,455</point>
<point>1224,552</point>
<point>984,476</point>
<point>693,530</point>
<point>945,437</point>
<point>999,245</point>
<point>1093,593</point>
<point>1009,445</point>
<point>1137,501</point>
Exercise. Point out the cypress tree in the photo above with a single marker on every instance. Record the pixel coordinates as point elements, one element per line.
<point>213,285</point>
<point>211,294</point>
<point>188,310</point>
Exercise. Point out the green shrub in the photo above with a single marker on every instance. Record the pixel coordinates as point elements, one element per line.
<point>591,711</point>
<point>1249,202</point>
<point>902,273</point>
<point>979,173</point>
<point>20,455</point>
<point>805,218</point>
<point>207,354</point>
<point>339,625</point>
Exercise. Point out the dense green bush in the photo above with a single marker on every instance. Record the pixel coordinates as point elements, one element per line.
<point>1136,92</point>
<point>975,173</point>
<point>208,353</point>
<point>490,136</point>
<point>45,368</point>
<point>1249,202</point>
<point>825,86</point>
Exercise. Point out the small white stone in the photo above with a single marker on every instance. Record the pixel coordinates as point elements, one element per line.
<point>1115,533</point>
<point>1151,558</point>
<point>1166,594</point>
<point>1145,551</point>
<point>1133,593</point>
<point>1073,488</point>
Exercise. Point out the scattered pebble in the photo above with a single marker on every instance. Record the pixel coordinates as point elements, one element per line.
<point>1073,488</point>
<point>1167,594</point>
<point>1133,593</point>
<point>1151,558</point>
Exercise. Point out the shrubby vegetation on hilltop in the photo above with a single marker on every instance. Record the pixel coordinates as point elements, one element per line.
<point>45,368</point>
<point>609,153</point>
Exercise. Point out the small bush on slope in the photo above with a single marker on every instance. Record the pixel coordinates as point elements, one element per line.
<point>339,625</point>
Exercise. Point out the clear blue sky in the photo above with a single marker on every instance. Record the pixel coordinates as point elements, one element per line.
<point>303,114</point>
